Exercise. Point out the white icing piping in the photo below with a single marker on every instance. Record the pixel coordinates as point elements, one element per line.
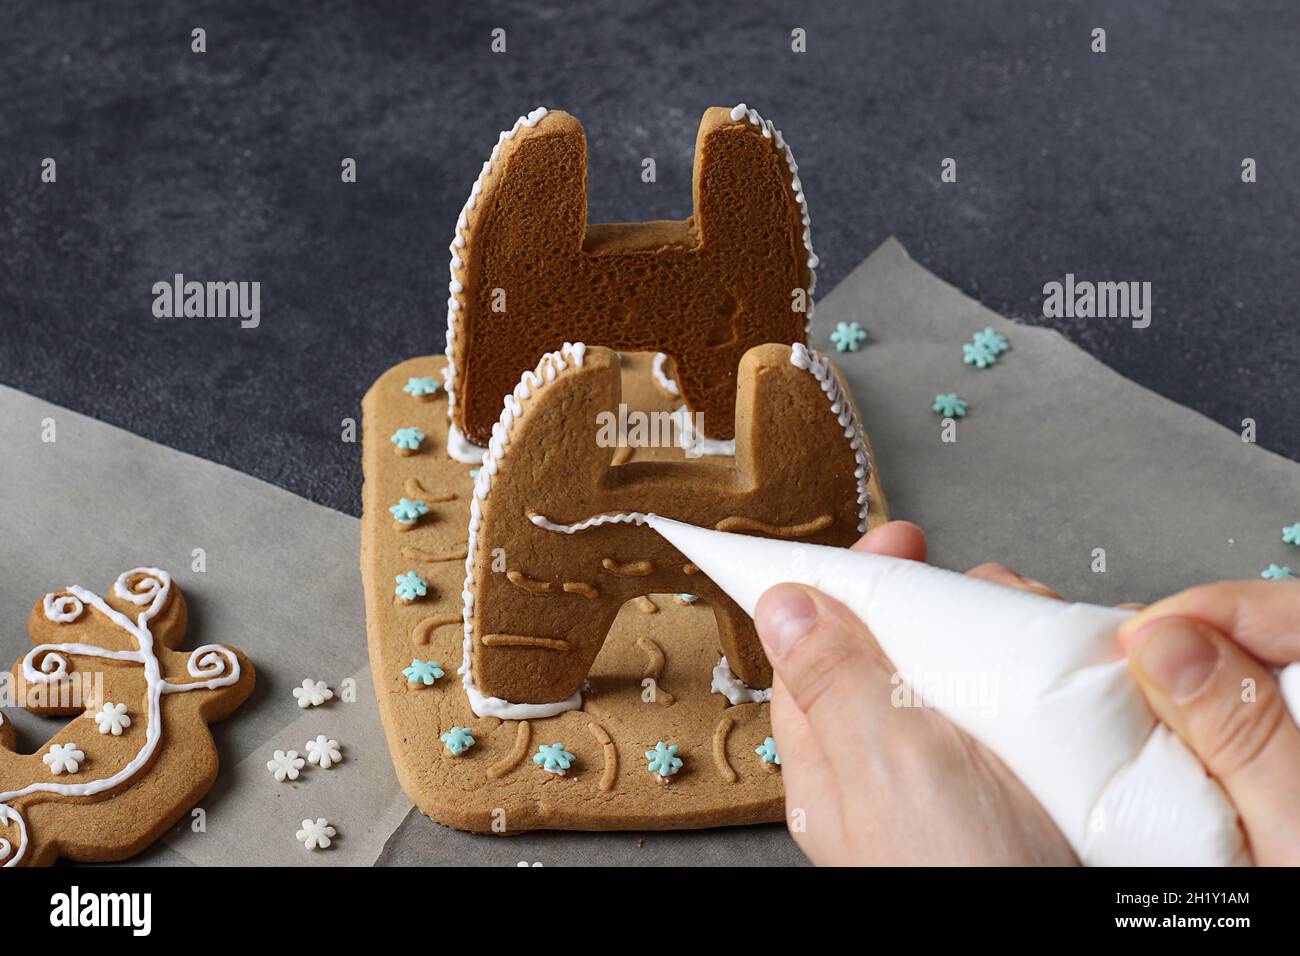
<point>770,132</point>
<point>696,443</point>
<point>624,517</point>
<point>662,377</point>
<point>152,588</point>
<point>461,448</point>
<point>454,286</point>
<point>810,360</point>
<point>551,365</point>
<point>734,689</point>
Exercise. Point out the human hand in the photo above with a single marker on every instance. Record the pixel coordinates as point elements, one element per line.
<point>879,784</point>
<point>1202,659</point>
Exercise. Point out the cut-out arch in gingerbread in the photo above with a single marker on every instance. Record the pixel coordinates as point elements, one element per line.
<point>550,500</point>
<point>129,787</point>
<point>528,272</point>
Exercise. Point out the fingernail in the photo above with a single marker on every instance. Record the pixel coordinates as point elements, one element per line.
<point>1177,654</point>
<point>785,615</point>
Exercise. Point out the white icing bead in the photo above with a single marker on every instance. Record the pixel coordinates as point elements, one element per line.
<point>660,376</point>
<point>734,689</point>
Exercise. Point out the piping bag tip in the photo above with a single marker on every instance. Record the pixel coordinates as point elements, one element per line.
<point>742,565</point>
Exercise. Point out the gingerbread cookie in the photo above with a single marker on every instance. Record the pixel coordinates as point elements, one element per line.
<point>528,272</point>
<point>138,752</point>
<point>552,561</point>
<point>658,677</point>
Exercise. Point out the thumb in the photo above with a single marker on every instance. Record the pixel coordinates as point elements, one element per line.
<point>830,665</point>
<point>1226,706</point>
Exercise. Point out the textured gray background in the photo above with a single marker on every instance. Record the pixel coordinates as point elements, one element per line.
<point>226,166</point>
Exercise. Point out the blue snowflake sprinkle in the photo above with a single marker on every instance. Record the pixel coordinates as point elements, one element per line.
<point>687,598</point>
<point>1276,572</point>
<point>553,758</point>
<point>949,406</point>
<point>1291,534</point>
<point>992,340</point>
<point>848,336</point>
<point>473,474</point>
<point>411,586</point>
<point>458,740</point>
<point>981,356</point>
<point>407,438</point>
<point>663,759</point>
<point>767,750</point>
<point>407,511</point>
<point>422,387</point>
<point>423,672</point>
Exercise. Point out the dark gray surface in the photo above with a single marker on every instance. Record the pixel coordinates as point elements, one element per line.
<point>420,842</point>
<point>226,166</point>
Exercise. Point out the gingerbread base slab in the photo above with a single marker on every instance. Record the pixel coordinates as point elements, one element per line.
<point>650,681</point>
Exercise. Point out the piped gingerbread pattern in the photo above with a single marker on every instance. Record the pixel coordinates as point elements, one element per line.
<point>136,797</point>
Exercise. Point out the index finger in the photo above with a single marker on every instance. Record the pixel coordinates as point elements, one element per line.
<point>1261,616</point>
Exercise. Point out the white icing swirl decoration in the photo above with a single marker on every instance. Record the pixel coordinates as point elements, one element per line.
<point>142,586</point>
<point>53,666</point>
<point>62,608</point>
<point>149,590</point>
<point>8,815</point>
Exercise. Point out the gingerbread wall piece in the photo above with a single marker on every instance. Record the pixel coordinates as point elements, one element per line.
<point>528,272</point>
<point>138,752</point>
<point>567,520</point>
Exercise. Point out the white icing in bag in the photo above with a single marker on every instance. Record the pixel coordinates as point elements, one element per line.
<point>1069,721</point>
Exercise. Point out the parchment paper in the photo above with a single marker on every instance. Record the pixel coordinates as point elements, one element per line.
<point>1058,457</point>
<point>281,583</point>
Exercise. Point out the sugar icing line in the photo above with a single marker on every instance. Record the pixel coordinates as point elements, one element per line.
<point>217,664</point>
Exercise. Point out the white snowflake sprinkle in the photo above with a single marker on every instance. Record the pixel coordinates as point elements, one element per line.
<point>316,834</point>
<point>64,758</point>
<point>112,719</point>
<point>312,693</point>
<point>324,751</point>
<point>285,765</point>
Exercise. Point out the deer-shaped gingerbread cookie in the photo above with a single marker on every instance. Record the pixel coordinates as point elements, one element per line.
<point>555,541</point>
<point>528,272</point>
<point>138,753</point>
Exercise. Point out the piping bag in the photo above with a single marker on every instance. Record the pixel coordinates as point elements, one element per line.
<point>1065,717</point>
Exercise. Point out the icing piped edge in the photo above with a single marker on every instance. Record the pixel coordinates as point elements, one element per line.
<point>550,366</point>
